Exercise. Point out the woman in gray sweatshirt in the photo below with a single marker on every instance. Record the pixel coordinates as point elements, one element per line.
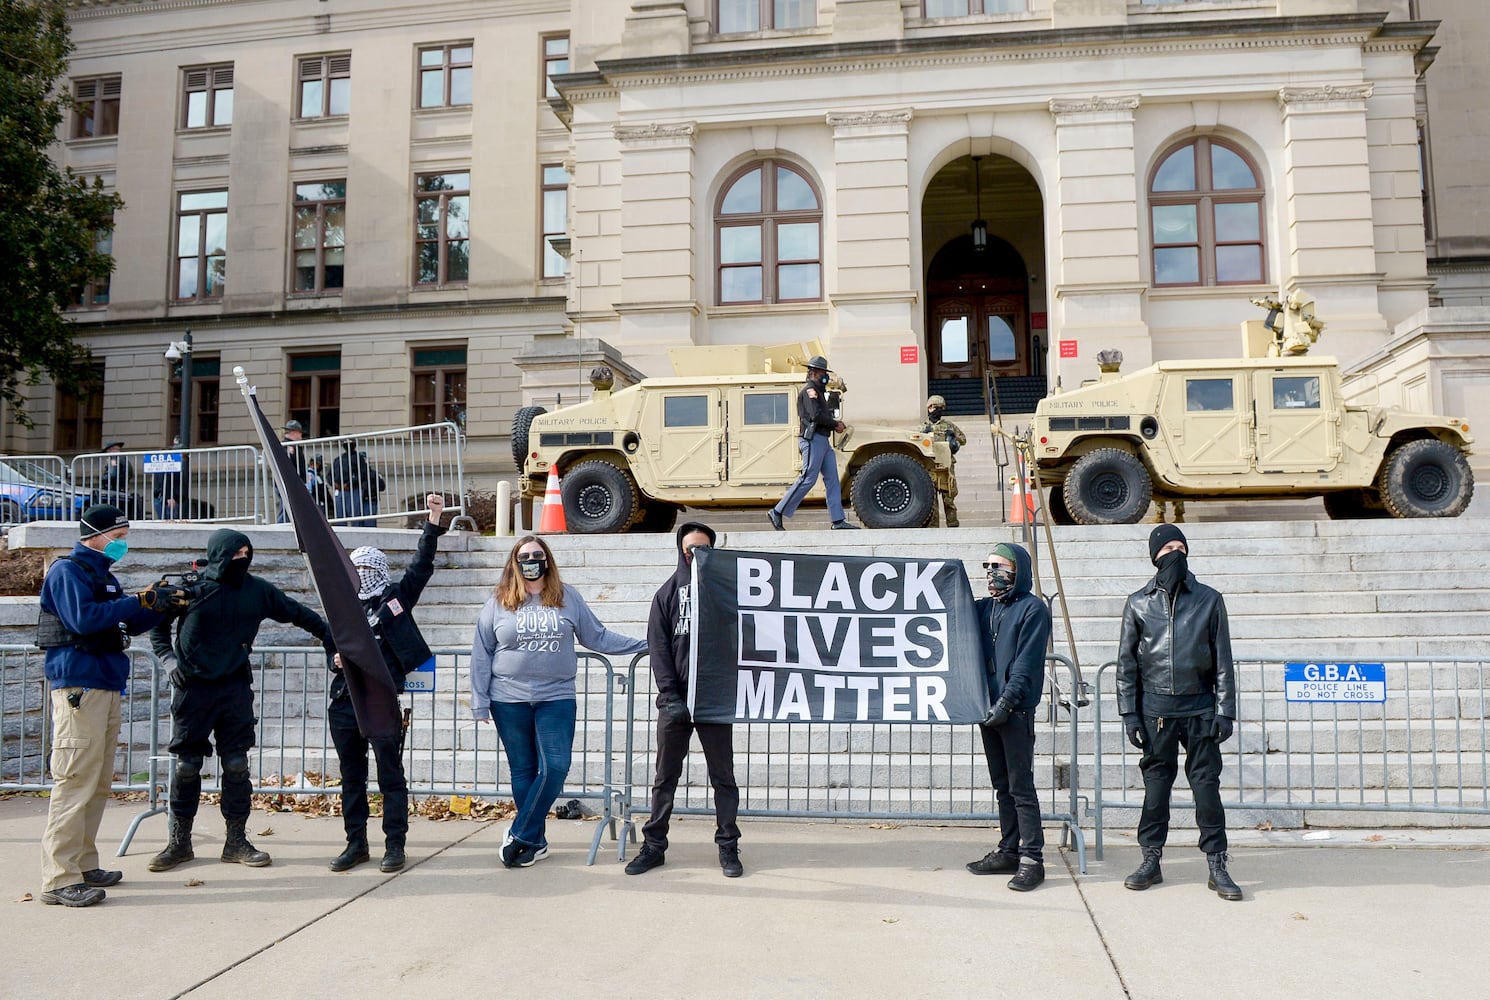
<point>523,666</point>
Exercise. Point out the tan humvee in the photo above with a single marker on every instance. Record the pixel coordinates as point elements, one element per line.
<point>713,437</point>
<point>1270,425</point>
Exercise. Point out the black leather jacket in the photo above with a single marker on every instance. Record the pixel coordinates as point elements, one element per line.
<point>1175,651</point>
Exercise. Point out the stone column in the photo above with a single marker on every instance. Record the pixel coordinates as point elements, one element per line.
<point>658,301</point>
<point>1330,237</point>
<point>873,286</point>
<point>1098,292</point>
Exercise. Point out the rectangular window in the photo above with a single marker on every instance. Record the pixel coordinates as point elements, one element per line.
<point>445,75</point>
<point>201,244</point>
<point>324,85</point>
<point>763,408</point>
<point>555,219</point>
<point>442,228</point>
<point>96,112</point>
<point>439,389</point>
<point>207,97</point>
<point>685,411</point>
<point>759,15</point>
<point>962,8</point>
<point>79,423</point>
<point>96,292</point>
<point>315,393</point>
<point>320,236</point>
<point>1208,394</point>
<point>555,62</point>
<point>1296,392</point>
<point>206,388</point>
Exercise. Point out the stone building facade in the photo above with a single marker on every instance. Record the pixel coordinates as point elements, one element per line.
<point>453,210</point>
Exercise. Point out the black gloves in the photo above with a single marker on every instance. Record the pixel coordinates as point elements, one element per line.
<point>952,442</point>
<point>164,597</point>
<point>998,714</point>
<point>670,705</point>
<point>1221,729</point>
<point>1133,726</point>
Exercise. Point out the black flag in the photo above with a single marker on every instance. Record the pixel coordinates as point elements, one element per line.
<point>374,697</point>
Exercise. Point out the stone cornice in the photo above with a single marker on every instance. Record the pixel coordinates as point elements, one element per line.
<point>869,122</point>
<point>1094,108</point>
<point>655,133</point>
<point>333,314</point>
<point>1337,95</point>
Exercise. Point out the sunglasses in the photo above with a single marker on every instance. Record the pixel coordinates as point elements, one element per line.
<point>532,557</point>
<point>994,565</point>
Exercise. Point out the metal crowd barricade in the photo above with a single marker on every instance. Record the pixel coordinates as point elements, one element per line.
<point>36,488</point>
<point>858,771</point>
<point>26,731</point>
<point>1424,750</point>
<point>177,484</point>
<point>409,462</point>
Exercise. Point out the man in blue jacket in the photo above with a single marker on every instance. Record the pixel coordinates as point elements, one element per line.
<point>86,619</point>
<point>1015,625</point>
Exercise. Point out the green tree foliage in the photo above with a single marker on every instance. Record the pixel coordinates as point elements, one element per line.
<point>50,219</point>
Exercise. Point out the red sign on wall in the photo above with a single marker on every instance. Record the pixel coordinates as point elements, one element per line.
<point>1068,348</point>
<point>1038,321</point>
<point>909,355</point>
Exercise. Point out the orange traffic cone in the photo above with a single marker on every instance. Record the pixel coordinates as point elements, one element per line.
<point>1024,501</point>
<point>552,521</point>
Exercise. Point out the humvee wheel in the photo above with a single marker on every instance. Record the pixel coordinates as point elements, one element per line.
<point>1055,501</point>
<point>1352,505</point>
<point>1426,478</point>
<point>657,517</point>
<point>521,421</point>
<point>894,491</point>
<point>1108,486</point>
<point>598,497</point>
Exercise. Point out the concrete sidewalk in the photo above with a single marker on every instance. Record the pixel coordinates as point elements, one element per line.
<point>824,910</point>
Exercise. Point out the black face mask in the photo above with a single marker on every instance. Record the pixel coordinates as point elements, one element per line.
<point>236,571</point>
<point>1173,567</point>
<point>934,414</point>
<point>532,569</point>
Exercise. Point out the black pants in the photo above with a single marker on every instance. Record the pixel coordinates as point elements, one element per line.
<point>203,715</point>
<point>719,752</point>
<point>351,751</point>
<point>1010,750</point>
<point>1160,765</point>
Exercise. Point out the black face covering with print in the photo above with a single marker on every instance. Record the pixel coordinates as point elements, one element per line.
<point>532,567</point>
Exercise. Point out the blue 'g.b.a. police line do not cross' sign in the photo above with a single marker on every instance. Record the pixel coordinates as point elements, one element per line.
<point>1335,682</point>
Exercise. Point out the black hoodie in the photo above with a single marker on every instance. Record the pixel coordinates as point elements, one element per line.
<point>217,631</point>
<point>668,638</point>
<point>1016,630</point>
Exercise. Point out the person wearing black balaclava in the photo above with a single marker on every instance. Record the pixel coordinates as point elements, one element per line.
<point>1176,687</point>
<point>389,608</point>
<point>212,701</point>
<point>669,640</point>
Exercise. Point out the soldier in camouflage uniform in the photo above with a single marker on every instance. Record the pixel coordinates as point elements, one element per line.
<point>939,426</point>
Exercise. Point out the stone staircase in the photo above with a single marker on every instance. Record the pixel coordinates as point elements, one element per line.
<point>1312,590</point>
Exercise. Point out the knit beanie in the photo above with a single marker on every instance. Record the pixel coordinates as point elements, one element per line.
<point>1161,536</point>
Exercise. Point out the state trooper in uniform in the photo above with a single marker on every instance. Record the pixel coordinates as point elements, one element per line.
<point>815,422</point>
<point>937,425</point>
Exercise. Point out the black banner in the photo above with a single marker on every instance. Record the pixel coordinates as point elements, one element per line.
<point>370,685</point>
<point>807,638</point>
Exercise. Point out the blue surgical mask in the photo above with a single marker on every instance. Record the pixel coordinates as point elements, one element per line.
<point>115,549</point>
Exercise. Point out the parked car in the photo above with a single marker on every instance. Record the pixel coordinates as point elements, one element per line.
<point>29,491</point>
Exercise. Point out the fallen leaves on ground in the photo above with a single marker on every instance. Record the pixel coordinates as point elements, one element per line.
<point>25,898</point>
<point>1299,916</point>
<point>268,831</point>
<point>192,883</point>
<point>438,809</point>
<point>1376,837</point>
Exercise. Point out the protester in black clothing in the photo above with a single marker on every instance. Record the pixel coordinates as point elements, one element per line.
<point>117,474</point>
<point>356,486</point>
<point>1176,687</point>
<point>390,612</point>
<point>213,690</point>
<point>1015,628</point>
<point>668,641</point>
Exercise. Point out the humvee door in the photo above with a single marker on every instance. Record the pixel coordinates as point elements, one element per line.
<point>682,433</point>
<point>762,425</point>
<point>1296,428</point>
<point>1207,421</point>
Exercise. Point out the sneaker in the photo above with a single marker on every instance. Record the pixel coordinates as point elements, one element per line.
<point>648,859</point>
<point>74,895</point>
<point>840,525</point>
<point>540,852</point>
<point>1031,873</point>
<point>729,861</point>
<point>995,862</point>
<point>100,879</point>
<point>516,854</point>
<point>775,519</point>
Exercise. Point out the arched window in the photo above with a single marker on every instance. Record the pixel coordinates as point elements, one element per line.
<point>768,229</point>
<point>1205,209</point>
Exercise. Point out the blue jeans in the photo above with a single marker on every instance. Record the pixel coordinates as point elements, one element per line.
<point>817,458</point>
<point>351,503</point>
<point>538,737</point>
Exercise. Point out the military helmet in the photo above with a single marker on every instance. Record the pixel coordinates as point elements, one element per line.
<point>936,401</point>
<point>818,361</point>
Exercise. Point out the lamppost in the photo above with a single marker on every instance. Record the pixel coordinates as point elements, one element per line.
<point>180,351</point>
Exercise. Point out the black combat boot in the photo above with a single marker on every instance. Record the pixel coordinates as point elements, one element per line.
<point>238,851</point>
<point>178,849</point>
<point>1148,872</point>
<point>1220,881</point>
<point>354,854</point>
<point>393,856</point>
